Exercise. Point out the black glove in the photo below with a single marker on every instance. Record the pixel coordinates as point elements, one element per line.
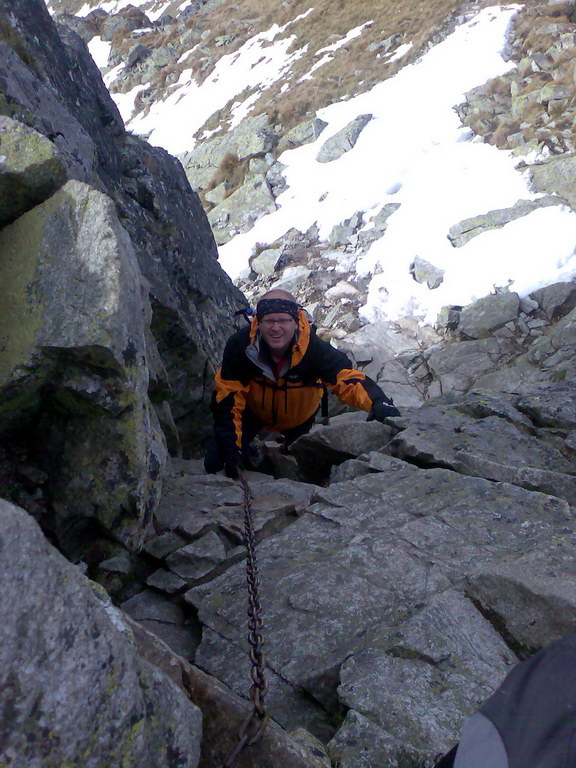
<point>382,409</point>
<point>232,466</point>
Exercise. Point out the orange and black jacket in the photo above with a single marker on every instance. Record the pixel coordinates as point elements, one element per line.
<point>287,399</point>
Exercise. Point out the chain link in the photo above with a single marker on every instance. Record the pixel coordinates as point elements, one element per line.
<point>253,728</point>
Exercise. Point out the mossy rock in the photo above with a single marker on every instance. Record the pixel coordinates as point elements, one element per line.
<point>30,169</point>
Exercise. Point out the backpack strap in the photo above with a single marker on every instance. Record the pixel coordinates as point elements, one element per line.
<point>324,406</point>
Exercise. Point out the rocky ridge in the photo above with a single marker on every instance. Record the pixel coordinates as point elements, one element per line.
<point>530,108</point>
<point>403,572</point>
<point>107,259</point>
<point>238,175</point>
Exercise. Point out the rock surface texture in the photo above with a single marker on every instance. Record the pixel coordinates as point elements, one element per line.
<point>113,307</point>
<point>398,594</point>
<point>62,639</point>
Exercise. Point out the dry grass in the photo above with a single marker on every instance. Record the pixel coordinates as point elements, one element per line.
<point>498,87</point>
<point>231,171</point>
<point>531,118</point>
<point>165,76</point>
<point>483,123</point>
<point>354,68</point>
<point>532,26</point>
<point>537,30</point>
<point>130,12</point>
<point>293,110</point>
<point>506,128</point>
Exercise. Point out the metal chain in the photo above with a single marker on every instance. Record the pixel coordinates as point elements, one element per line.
<point>253,728</point>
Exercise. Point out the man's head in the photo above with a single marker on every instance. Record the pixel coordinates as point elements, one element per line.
<point>277,313</point>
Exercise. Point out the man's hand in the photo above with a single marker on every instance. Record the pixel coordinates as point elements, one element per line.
<point>382,409</point>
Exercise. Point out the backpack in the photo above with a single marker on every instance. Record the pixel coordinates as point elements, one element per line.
<point>530,720</point>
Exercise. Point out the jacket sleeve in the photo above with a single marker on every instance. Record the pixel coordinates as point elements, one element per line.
<point>348,384</point>
<point>229,398</point>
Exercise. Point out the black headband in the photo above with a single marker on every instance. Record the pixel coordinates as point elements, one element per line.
<point>268,306</point>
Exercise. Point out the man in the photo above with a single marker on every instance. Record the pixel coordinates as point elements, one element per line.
<point>273,375</point>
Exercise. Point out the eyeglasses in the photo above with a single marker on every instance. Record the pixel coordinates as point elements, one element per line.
<point>268,322</point>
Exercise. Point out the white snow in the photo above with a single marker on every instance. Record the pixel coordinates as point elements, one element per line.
<point>99,50</point>
<point>413,152</point>
<point>153,10</point>
<point>85,10</point>
<point>125,101</point>
<point>184,5</point>
<point>402,50</point>
<point>111,75</point>
<point>173,122</point>
<point>159,10</point>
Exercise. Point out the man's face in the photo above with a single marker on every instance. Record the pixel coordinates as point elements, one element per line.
<point>277,330</point>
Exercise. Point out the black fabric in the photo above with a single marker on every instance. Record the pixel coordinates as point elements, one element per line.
<point>448,760</point>
<point>232,469</point>
<point>321,360</point>
<point>382,409</point>
<point>269,306</point>
<point>220,453</point>
<point>217,458</point>
<point>534,709</point>
<point>213,461</point>
<point>246,313</point>
<point>324,402</point>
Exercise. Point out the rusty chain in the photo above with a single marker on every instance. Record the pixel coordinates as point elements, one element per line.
<point>254,725</point>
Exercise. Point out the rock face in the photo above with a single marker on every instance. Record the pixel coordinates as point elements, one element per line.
<point>401,593</point>
<point>169,231</point>
<point>526,108</point>
<point>235,164</point>
<point>62,638</point>
<point>30,169</point>
<point>505,343</point>
<point>113,307</point>
<point>556,174</point>
<point>245,153</point>
<point>343,141</point>
<point>464,231</point>
<point>72,313</point>
<point>224,714</point>
<point>238,212</point>
<point>253,138</point>
<point>484,317</point>
<point>301,134</point>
